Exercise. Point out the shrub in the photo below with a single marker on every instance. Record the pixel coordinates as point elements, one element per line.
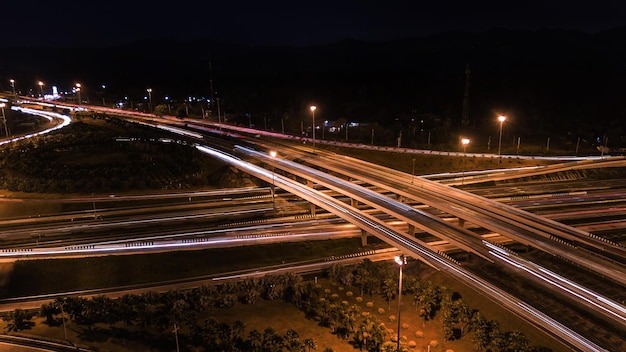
<point>369,304</point>
<point>381,310</point>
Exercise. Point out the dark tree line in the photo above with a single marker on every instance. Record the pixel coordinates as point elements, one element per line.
<point>86,157</point>
<point>161,312</point>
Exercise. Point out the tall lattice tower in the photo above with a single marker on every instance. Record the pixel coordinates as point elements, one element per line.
<point>465,120</point>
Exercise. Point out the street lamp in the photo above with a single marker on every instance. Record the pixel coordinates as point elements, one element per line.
<point>78,93</point>
<point>465,142</point>
<point>273,155</point>
<point>4,119</point>
<point>313,107</point>
<point>401,261</point>
<point>501,118</point>
<point>13,87</point>
<point>149,90</point>
<point>41,88</point>
<point>103,88</point>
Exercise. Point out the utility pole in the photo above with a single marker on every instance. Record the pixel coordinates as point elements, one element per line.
<point>175,331</point>
<point>211,85</point>
<point>465,118</point>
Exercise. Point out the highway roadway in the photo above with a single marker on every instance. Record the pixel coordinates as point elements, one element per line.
<point>409,244</point>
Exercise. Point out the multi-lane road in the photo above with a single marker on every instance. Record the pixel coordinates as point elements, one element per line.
<point>311,169</point>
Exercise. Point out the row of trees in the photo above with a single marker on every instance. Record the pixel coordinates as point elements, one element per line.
<point>184,309</point>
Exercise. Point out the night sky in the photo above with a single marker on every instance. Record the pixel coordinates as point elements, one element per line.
<point>293,23</point>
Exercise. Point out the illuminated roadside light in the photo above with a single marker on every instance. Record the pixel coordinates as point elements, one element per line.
<point>501,118</point>
<point>313,108</point>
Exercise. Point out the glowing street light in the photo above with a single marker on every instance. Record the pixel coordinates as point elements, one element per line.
<point>41,88</point>
<point>401,261</point>
<point>149,90</point>
<point>13,87</point>
<point>313,107</point>
<point>78,93</point>
<point>273,155</point>
<point>465,142</point>
<point>501,118</point>
<point>4,119</point>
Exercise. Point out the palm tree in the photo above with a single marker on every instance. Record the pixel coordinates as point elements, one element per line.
<point>361,278</point>
<point>17,320</point>
<point>390,288</point>
<point>310,344</point>
<point>238,330</point>
<point>49,311</point>
<point>255,340</point>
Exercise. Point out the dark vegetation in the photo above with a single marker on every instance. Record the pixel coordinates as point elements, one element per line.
<point>86,157</point>
<point>346,309</point>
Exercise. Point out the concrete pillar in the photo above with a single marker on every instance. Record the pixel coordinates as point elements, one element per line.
<point>461,222</point>
<point>309,183</point>
<point>411,230</point>
<point>363,238</point>
<point>354,202</point>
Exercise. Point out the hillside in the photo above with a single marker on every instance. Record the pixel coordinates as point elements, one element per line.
<point>553,81</point>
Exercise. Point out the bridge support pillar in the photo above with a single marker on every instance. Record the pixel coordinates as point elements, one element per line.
<point>411,230</point>
<point>461,222</point>
<point>354,203</point>
<point>363,238</point>
<point>309,183</point>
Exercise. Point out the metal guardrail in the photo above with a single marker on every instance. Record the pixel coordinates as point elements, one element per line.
<point>41,344</point>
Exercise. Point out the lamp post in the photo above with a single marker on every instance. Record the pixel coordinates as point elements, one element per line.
<point>41,88</point>
<point>401,261</point>
<point>501,118</point>
<point>79,100</point>
<point>4,119</point>
<point>313,107</point>
<point>12,81</point>
<point>465,142</point>
<point>273,155</point>
<point>149,90</point>
<point>103,86</point>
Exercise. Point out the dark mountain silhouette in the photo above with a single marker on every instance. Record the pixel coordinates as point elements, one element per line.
<point>545,80</point>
